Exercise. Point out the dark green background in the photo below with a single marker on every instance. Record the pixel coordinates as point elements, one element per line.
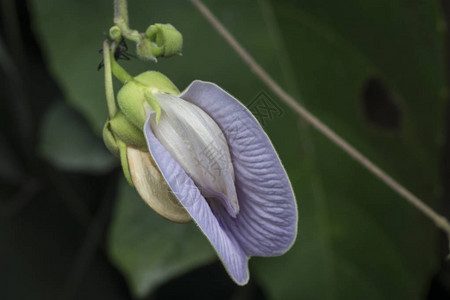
<point>374,71</point>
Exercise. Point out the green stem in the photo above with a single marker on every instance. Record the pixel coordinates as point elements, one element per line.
<point>120,11</point>
<point>121,20</point>
<point>119,72</point>
<point>112,109</point>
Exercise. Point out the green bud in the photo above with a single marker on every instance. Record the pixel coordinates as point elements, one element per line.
<point>144,49</point>
<point>109,140</point>
<point>115,33</point>
<point>166,38</point>
<point>136,92</point>
<point>127,132</point>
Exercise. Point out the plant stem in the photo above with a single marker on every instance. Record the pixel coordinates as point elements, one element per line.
<point>109,90</point>
<point>440,221</point>
<point>119,72</point>
<point>120,11</point>
<point>121,20</point>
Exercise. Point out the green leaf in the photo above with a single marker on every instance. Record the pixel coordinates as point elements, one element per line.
<point>149,249</point>
<point>72,51</point>
<point>357,238</point>
<point>68,143</point>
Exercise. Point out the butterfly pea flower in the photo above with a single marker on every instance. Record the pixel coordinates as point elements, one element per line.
<point>200,155</point>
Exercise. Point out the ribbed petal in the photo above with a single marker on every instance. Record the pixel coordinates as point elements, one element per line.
<point>267,221</point>
<point>228,249</point>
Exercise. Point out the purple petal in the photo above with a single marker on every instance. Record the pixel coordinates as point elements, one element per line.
<point>229,250</point>
<point>267,222</point>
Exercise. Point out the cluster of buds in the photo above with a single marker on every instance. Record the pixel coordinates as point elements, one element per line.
<point>159,40</point>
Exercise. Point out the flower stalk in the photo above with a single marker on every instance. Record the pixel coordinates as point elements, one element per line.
<point>121,20</point>
<point>109,91</point>
<point>118,71</point>
<point>121,12</point>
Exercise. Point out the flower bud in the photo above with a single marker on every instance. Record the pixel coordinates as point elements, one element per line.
<point>166,37</point>
<point>115,33</point>
<point>144,49</point>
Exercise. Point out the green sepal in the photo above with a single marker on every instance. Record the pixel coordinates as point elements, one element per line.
<point>157,80</point>
<point>166,37</point>
<point>128,132</point>
<point>109,140</point>
<point>144,49</point>
<point>124,162</point>
<point>135,93</point>
<point>153,103</point>
<point>131,102</point>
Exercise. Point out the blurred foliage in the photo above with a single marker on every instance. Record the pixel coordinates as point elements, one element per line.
<point>357,239</point>
<point>9,166</point>
<point>68,142</point>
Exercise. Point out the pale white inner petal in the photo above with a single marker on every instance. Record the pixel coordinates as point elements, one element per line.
<point>153,189</point>
<point>197,143</point>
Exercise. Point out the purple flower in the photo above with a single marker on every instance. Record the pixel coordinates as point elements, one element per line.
<point>222,172</point>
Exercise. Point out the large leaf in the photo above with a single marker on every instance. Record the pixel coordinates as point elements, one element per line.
<point>360,240</point>
<point>356,238</point>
